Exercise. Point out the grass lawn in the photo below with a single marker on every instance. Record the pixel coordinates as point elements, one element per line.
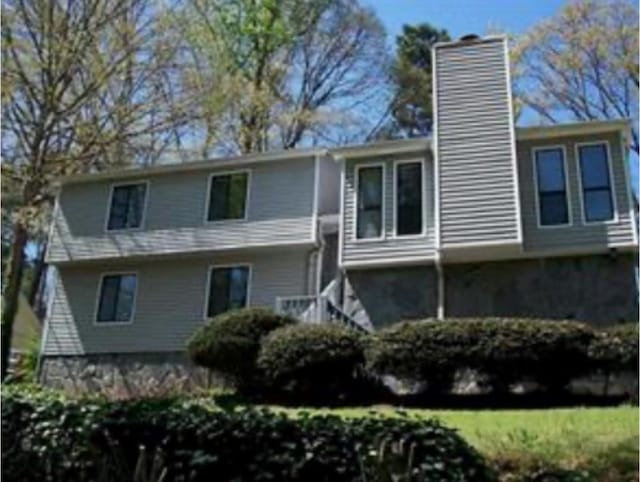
<point>603,441</point>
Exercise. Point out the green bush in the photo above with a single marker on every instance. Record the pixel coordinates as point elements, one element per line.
<point>49,438</point>
<point>615,348</point>
<point>312,359</point>
<point>550,353</point>
<point>229,343</point>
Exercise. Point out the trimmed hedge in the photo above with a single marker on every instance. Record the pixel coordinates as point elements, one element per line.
<point>615,349</point>
<point>48,438</point>
<point>229,343</point>
<point>308,359</point>
<point>550,353</point>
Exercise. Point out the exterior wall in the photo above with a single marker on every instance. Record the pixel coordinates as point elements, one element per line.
<point>280,211</point>
<point>328,186</point>
<point>600,290</point>
<point>390,248</point>
<point>596,236</point>
<point>124,375</point>
<point>385,296</point>
<point>474,140</point>
<point>170,300</point>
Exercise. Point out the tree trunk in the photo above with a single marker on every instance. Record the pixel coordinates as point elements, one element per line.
<point>12,294</point>
<point>37,284</point>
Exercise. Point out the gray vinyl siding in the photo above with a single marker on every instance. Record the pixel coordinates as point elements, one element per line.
<point>577,234</point>
<point>478,193</point>
<point>280,211</point>
<point>389,249</point>
<point>170,302</point>
<point>328,186</point>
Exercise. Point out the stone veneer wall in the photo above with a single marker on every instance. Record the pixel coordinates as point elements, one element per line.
<point>601,290</point>
<point>124,375</point>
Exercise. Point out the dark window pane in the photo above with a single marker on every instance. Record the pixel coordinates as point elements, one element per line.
<point>596,184</point>
<point>553,209</point>
<point>369,202</point>
<point>552,195</point>
<point>228,289</point>
<point>593,163</point>
<point>597,205</point>
<point>127,204</point>
<point>550,167</point>
<point>117,298</point>
<point>228,196</point>
<point>409,198</point>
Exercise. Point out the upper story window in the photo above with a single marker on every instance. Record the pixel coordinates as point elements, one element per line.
<point>127,206</point>
<point>228,196</point>
<point>369,188</point>
<point>597,195</point>
<point>228,289</point>
<point>117,298</point>
<point>551,180</point>
<point>409,198</point>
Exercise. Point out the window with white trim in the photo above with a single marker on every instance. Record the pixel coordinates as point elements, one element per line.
<point>369,194</point>
<point>409,198</point>
<point>228,196</point>
<point>127,206</point>
<point>116,303</point>
<point>553,206</point>
<point>597,196</point>
<point>228,289</point>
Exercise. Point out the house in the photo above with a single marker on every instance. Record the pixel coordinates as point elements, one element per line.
<point>482,218</point>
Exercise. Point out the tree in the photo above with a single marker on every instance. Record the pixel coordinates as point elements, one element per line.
<point>274,74</point>
<point>582,64</point>
<point>80,94</point>
<point>411,108</point>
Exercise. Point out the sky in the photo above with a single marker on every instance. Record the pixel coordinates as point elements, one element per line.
<point>460,17</point>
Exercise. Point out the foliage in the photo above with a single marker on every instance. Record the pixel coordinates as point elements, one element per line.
<point>411,73</point>
<point>229,343</point>
<point>583,62</point>
<point>308,358</point>
<point>47,436</point>
<point>615,348</point>
<point>263,75</point>
<point>507,350</point>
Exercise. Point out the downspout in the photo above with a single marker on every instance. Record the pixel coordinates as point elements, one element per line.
<point>440,313</point>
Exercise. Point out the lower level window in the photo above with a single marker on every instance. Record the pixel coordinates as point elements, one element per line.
<point>117,298</point>
<point>228,289</point>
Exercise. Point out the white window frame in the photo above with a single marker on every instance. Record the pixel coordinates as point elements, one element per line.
<point>612,182</point>
<point>143,216</point>
<point>356,177</point>
<point>565,166</point>
<point>210,268</point>
<point>423,175</point>
<point>103,275</point>
<point>245,217</point>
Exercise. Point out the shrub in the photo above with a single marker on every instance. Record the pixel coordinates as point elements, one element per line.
<point>506,350</point>
<point>57,440</point>
<point>308,359</point>
<point>615,348</point>
<point>229,343</point>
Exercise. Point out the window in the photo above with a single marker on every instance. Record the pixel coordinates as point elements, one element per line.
<point>127,205</point>
<point>228,196</point>
<point>552,188</point>
<point>597,199</point>
<point>228,289</point>
<point>117,298</point>
<point>369,209</point>
<point>409,215</point>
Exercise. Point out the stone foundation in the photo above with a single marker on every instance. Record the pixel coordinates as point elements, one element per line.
<point>125,375</point>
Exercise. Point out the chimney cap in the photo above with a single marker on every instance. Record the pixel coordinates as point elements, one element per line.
<point>470,37</point>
